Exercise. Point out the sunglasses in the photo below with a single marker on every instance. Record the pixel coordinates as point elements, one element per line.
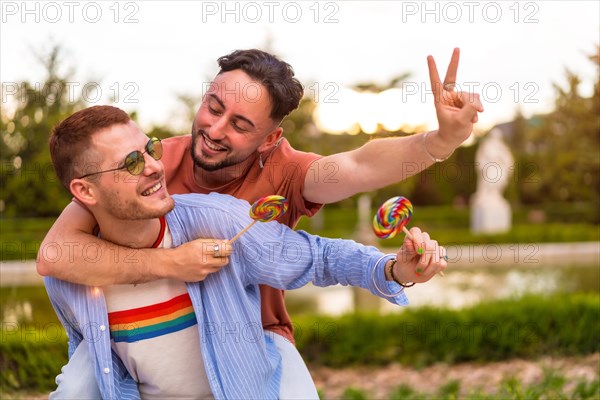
<point>134,161</point>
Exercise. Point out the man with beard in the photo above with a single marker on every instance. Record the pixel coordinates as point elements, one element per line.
<point>236,147</point>
<point>171,339</point>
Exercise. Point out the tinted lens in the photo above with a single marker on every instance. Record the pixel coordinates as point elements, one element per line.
<point>154,148</point>
<point>134,162</point>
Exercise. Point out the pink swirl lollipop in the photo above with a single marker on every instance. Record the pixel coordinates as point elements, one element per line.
<point>392,217</point>
<point>265,209</point>
<point>268,208</point>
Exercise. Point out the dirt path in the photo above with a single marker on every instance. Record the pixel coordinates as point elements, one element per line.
<point>380,382</point>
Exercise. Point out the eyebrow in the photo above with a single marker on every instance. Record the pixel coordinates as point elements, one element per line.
<point>238,116</point>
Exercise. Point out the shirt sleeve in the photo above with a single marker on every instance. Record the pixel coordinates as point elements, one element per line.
<point>63,312</point>
<point>273,254</point>
<point>278,256</point>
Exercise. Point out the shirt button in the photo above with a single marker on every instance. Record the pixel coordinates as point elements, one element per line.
<point>106,370</point>
<point>102,328</point>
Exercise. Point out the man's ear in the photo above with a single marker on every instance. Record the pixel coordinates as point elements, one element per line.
<point>271,139</point>
<point>84,191</point>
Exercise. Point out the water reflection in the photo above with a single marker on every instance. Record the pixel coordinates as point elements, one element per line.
<point>460,288</point>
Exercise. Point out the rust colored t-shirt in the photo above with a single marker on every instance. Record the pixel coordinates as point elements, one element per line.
<point>283,173</point>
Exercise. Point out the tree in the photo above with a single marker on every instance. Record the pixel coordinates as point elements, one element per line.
<point>566,145</point>
<point>29,186</point>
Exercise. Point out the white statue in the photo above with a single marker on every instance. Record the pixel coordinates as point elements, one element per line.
<point>490,212</point>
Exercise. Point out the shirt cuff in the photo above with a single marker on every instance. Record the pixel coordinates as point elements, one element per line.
<point>389,290</point>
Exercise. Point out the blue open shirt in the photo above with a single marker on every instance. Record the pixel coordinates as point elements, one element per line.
<point>241,361</point>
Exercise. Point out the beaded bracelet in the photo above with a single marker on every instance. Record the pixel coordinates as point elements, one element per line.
<point>391,271</point>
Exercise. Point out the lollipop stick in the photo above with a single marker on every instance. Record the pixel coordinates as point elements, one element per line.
<point>410,236</point>
<point>236,237</point>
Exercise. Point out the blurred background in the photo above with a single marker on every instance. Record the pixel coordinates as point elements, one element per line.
<point>523,281</point>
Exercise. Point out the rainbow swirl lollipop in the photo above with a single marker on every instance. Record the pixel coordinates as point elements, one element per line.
<point>265,209</point>
<point>392,217</point>
<point>268,208</point>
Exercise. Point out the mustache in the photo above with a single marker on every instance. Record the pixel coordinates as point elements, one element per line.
<point>204,133</point>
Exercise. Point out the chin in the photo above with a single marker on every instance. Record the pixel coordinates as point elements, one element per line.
<point>206,166</point>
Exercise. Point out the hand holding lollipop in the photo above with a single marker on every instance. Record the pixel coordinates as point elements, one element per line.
<point>392,217</point>
<point>265,209</point>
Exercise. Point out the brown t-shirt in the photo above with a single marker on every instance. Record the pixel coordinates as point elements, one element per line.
<point>284,173</point>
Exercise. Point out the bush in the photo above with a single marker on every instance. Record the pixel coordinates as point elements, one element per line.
<point>31,359</point>
<point>529,327</point>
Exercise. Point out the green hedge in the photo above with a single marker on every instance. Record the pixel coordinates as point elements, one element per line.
<point>30,359</point>
<point>21,238</point>
<point>529,327</point>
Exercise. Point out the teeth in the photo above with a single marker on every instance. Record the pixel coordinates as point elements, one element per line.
<point>153,189</point>
<point>212,145</point>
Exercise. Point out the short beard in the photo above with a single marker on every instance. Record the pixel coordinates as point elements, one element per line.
<point>131,210</point>
<point>200,163</point>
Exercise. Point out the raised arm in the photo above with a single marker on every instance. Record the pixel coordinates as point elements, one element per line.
<point>383,162</point>
<point>72,253</point>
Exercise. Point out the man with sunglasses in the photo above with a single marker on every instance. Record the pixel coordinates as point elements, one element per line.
<point>236,147</point>
<point>171,339</point>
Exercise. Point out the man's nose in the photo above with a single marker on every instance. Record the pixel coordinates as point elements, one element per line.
<point>218,129</point>
<point>151,165</point>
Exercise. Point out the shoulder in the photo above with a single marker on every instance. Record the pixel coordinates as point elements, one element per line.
<point>285,152</point>
<point>181,140</point>
<point>177,143</point>
<point>206,215</point>
<point>212,200</point>
<point>210,205</point>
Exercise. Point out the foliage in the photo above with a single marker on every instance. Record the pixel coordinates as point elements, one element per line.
<point>32,351</point>
<point>29,186</point>
<point>487,332</point>
<point>21,237</point>
<point>552,385</point>
<point>561,147</point>
<point>30,359</point>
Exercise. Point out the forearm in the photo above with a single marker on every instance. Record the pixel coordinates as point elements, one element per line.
<point>377,164</point>
<point>84,259</point>
<point>70,252</point>
<point>290,260</point>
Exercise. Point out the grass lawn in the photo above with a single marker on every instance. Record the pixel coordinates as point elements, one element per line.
<point>21,238</point>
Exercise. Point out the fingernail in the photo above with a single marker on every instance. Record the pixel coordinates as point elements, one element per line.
<point>419,250</point>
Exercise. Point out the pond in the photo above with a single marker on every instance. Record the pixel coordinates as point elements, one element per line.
<point>461,287</point>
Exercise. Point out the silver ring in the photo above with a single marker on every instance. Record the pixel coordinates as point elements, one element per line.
<point>445,258</point>
<point>217,250</point>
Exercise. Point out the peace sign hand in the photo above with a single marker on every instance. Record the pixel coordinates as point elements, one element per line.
<point>456,111</point>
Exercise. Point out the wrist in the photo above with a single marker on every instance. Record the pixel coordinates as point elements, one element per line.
<point>389,271</point>
<point>157,263</point>
<point>436,147</point>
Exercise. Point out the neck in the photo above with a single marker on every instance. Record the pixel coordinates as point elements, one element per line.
<point>220,177</point>
<point>130,233</point>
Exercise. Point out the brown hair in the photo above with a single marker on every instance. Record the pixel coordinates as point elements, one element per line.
<point>275,75</point>
<point>70,142</point>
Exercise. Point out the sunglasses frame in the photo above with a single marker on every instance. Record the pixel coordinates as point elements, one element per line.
<point>135,161</point>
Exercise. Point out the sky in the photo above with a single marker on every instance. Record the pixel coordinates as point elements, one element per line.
<point>145,53</point>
